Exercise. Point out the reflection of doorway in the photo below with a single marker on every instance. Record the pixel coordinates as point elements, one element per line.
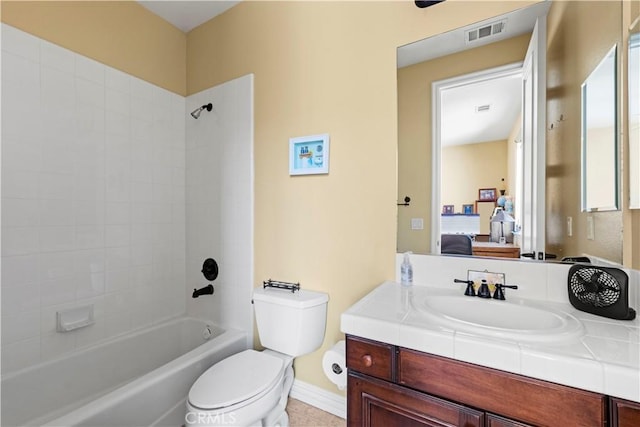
<point>475,140</point>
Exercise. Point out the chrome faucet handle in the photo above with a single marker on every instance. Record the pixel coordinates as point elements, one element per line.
<point>470,291</point>
<point>499,293</point>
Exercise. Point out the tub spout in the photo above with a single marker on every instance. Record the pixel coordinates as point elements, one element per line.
<point>207,290</point>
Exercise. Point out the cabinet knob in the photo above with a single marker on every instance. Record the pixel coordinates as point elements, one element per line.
<point>367,361</point>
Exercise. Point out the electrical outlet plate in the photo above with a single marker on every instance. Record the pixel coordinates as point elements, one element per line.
<point>491,278</point>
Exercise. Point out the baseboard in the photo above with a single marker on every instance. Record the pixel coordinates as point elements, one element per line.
<point>320,398</point>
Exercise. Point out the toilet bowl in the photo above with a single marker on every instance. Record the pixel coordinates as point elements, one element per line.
<point>242,390</point>
<point>251,388</point>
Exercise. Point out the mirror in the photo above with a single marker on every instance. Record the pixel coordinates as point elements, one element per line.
<point>571,56</point>
<point>634,116</point>
<point>599,137</point>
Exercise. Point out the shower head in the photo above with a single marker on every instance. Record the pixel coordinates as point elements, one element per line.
<point>196,113</point>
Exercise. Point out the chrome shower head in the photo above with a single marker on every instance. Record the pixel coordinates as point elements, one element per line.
<point>196,113</point>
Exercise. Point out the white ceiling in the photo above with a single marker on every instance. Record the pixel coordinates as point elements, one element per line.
<point>461,124</point>
<point>187,14</point>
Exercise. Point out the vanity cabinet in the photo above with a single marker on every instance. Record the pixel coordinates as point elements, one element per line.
<point>624,413</point>
<point>395,386</point>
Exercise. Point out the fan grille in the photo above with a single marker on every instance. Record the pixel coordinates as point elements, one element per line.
<point>595,287</point>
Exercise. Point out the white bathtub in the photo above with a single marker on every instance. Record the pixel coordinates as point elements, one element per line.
<point>141,379</point>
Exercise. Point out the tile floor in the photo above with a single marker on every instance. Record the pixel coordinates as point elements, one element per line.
<point>303,415</point>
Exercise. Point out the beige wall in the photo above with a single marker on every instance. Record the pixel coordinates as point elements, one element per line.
<point>574,50</point>
<point>319,67</point>
<point>464,171</point>
<point>121,34</point>
<point>414,128</point>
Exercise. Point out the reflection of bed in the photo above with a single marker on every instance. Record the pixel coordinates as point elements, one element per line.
<point>456,244</point>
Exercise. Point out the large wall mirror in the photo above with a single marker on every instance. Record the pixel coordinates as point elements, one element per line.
<point>600,137</point>
<point>493,155</point>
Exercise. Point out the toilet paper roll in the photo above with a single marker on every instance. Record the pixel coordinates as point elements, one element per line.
<point>334,364</point>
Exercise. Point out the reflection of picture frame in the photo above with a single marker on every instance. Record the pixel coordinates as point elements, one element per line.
<point>309,155</point>
<point>447,209</point>
<point>467,209</point>
<point>487,194</point>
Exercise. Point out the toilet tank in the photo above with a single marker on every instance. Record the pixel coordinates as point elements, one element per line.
<point>288,322</point>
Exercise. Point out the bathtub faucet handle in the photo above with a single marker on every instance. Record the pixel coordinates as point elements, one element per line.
<point>207,290</point>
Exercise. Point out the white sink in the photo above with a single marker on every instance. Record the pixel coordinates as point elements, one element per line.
<point>521,321</point>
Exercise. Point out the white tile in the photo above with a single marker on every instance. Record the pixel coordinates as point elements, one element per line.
<point>89,261</point>
<point>57,57</point>
<point>142,89</point>
<point>58,88</point>
<point>141,109</point>
<point>623,353</point>
<point>89,212</point>
<point>141,254</point>
<point>55,265</point>
<point>20,212</point>
<point>142,276</point>
<point>487,352</point>
<point>119,301</point>
<point>20,355</point>
<point>20,83</point>
<point>115,79</point>
<point>118,213</point>
<point>118,101</point>
<point>118,258</point>
<point>557,282</point>
<point>56,344</point>
<point>20,184</point>
<point>20,241</point>
<point>20,299</point>
<point>89,188</point>
<point>90,335</point>
<point>117,324</point>
<point>20,327</point>
<point>90,93</point>
<point>141,193</point>
<point>90,237</point>
<point>56,156</point>
<point>21,153</point>
<point>88,69</point>
<point>117,235</point>
<point>56,186</point>
<point>57,239</point>
<point>56,213</point>
<point>58,291</point>
<point>116,280</point>
<point>19,270</point>
<point>576,372</point>
<point>621,381</point>
<point>20,43</point>
<point>89,285</point>
<point>117,123</point>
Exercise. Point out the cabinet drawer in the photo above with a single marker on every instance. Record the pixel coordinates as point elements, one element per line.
<point>370,357</point>
<point>525,399</point>
<point>624,413</point>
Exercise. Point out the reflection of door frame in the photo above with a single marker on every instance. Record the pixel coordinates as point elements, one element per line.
<point>437,87</point>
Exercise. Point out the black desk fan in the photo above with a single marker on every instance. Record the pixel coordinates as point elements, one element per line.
<point>602,291</point>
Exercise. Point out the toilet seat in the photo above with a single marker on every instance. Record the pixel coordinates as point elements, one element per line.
<point>236,381</point>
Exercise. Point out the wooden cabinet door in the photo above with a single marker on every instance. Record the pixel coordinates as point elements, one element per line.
<point>376,403</point>
<point>624,413</point>
<point>498,421</point>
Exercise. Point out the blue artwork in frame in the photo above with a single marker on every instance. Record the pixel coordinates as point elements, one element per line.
<point>309,155</point>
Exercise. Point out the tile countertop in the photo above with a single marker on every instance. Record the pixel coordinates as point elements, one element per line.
<point>605,359</point>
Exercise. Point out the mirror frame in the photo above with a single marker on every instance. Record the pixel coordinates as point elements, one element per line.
<point>633,111</point>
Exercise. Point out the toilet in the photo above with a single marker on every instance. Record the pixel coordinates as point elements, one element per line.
<point>251,388</point>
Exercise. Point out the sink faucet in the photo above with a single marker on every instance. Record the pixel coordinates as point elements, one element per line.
<point>483,291</point>
<point>499,293</point>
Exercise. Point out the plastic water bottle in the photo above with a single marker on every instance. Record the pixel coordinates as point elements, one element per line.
<point>406,271</point>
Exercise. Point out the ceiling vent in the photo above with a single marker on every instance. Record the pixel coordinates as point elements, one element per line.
<point>483,108</point>
<point>480,33</point>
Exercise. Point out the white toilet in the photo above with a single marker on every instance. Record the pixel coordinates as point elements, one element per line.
<point>251,388</point>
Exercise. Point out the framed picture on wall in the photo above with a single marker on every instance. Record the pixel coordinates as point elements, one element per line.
<point>487,194</point>
<point>467,209</point>
<point>447,209</point>
<point>309,155</point>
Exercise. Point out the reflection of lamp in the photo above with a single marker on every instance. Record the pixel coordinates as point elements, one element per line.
<point>501,226</point>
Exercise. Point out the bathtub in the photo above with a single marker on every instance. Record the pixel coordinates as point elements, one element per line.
<point>140,379</point>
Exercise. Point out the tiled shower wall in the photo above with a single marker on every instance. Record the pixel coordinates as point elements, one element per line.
<point>93,199</point>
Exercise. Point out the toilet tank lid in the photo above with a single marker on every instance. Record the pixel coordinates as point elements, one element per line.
<point>299,299</point>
